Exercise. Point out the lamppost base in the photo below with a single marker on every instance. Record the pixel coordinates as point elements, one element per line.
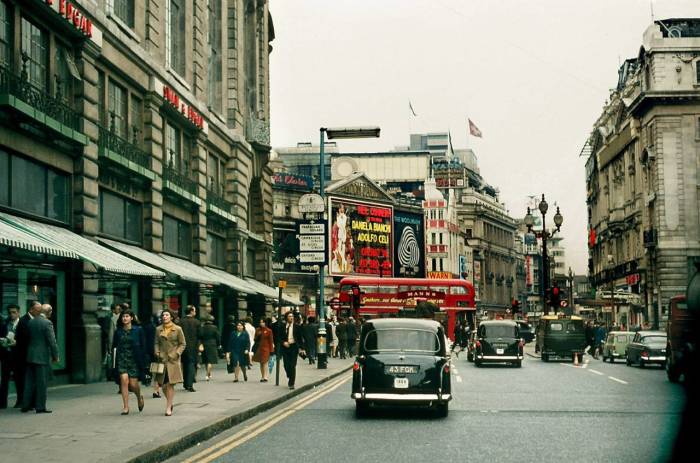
<point>322,361</point>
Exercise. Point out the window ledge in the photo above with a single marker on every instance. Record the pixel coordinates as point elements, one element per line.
<point>124,27</point>
<point>181,80</point>
<point>216,115</point>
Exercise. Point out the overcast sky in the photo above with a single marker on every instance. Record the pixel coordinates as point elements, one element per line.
<point>532,75</point>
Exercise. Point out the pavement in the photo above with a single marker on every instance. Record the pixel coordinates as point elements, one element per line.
<point>86,424</point>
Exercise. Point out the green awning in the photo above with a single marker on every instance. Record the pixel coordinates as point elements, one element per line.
<point>78,247</point>
<point>16,236</point>
<point>291,300</point>
<point>232,281</point>
<point>262,288</point>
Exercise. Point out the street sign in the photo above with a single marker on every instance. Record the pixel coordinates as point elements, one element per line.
<point>312,228</point>
<point>564,303</point>
<point>311,202</point>
<point>317,257</point>
<point>312,243</point>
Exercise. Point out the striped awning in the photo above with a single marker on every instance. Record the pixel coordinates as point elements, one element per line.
<point>232,281</point>
<point>262,288</point>
<point>17,237</point>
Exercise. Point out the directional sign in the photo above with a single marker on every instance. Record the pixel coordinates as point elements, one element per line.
<point>311,202</point>
<point>312,228</point>
<point>307,257</point>
<point>312,243</point>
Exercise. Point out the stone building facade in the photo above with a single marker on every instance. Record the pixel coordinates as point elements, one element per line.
<point>149,122</point>
<point>642,175</point>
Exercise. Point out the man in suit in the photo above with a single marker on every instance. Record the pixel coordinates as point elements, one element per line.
<point>42,350</point>
<point>292,344</point>
<point>8,348</point>
<point>190,328</point>
<point>20,354</point>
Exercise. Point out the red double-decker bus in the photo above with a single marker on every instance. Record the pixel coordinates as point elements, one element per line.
<point>381,297</point>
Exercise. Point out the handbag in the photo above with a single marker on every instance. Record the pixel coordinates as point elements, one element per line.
<point>157,368</point>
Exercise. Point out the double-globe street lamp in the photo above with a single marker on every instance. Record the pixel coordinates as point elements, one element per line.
<point>332,134</point>
<point>544,234</point>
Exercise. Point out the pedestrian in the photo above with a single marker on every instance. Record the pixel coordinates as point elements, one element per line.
<point>292,345</point>
<point>589,334</point>
<point>190,327</point>
<point>237,349</point>
<point>149,331</point>
<point>211,340</point>
<point>229,327</point>
<point>170,344</point>
<point>334,337</point>
<point>330,334</point>
<point>250,329</point>
<point>352,335</point>
<point>599,340</point>
<point>41,351</point>
<point>309,331</point>
<point>130,362</point>
<point>264,345</point>
<point>21,347</point>
<point>8,355</point>
<point>342,333</point>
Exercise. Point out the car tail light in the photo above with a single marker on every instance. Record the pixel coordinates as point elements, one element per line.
<point>446,368</point>
<point>355,366</point>
<point>645,354</point>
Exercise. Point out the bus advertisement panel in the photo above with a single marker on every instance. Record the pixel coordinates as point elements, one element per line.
<point>360,238</point>
<point>409,247</point>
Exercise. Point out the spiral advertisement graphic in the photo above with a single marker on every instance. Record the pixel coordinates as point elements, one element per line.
<point>409,250</point>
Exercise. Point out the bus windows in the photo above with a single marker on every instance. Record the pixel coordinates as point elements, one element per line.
<point>386,289</point>
<point>458,290</point>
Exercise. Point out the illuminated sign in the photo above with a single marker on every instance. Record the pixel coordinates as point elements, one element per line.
<point>186,110</point>
<point>409,248</point>
<point>440,275</point>
<point>360,238</point>
<point>292,181</point>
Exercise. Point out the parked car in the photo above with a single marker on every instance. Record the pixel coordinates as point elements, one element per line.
<point>498,341</point>
<point>526,331</point>
<point>616,345</point>
<point>681,338</point>
<point>402,361</point>
<point>560,337</point>
<point>647,347</point>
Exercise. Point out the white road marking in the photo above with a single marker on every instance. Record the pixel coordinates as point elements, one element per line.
<point>596,372</point>
<point>458,378</point>
<point>568,365</point>
<point>618,380</point>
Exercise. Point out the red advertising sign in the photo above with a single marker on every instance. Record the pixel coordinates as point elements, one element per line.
<point>73,15</point>
<point>186,110</point>
<point>360,238</point>
<point>440,275</point>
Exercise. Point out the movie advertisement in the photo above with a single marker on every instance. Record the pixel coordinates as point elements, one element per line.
<point>409,245</point>
<point>360,238</point>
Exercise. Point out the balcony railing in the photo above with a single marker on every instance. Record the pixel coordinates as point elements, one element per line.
<point>19,87</point>
<point>111,141</point>
<point>217,199</point>
<point>179,179</point>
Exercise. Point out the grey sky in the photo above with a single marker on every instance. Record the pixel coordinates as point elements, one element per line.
<point>533,76</point>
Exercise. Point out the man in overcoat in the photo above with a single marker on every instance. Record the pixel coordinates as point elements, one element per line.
<point>42,350</point>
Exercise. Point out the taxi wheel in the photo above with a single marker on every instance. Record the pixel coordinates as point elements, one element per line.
<point>361,409</point>
<point>442,410</point>
<point>477,362</point>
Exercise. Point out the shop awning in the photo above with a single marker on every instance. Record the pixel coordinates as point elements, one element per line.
<point>171,265</point>
<point>233,281</point>
<point>80,247</point>
<point>291,300</point>
<point>15,236</point>
<point>262,289</point>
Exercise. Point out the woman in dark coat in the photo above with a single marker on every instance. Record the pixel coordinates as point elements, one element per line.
<point>211,340</point>
<point>237,351</point>
<point>129,342</point>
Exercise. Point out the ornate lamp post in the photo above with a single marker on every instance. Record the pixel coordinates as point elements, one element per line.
<point>544,234</point>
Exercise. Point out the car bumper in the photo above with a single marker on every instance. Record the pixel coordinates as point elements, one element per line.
<point>653,359</point>
<point>401,398</point>
<point>499,357</point>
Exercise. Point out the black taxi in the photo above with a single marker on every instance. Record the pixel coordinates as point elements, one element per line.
<point>498,341</point>
<point>402,361</point>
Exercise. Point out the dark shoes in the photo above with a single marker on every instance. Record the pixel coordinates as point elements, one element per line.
<point>141,403</point>
<point>25,410</point>
<point>291,387</point>
<point>191,389</point>
<point>156,395</point>
<point>124,412</point>
<point>47,411</point>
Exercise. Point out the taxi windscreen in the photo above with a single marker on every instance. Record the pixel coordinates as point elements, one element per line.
<point>403,340</point>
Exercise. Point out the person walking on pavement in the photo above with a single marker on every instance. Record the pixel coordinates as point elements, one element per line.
<point>599,340</point>
<point>352,334</point>
<point>190,327</point>
<point>21,347</point>
<point>334,337</point>
<point>150,332</point>
<point>292,345</point>
<point>589,334</point>
<point>250,329</point>
<point>264,346</point>
<point>237,351</point>
<point>41,351</point>
<point>310,331</point>
<point>211,340</point>
<point>130,363</point>
<point>8,353</point>
<point>342,333</point>
<point>170,344</point>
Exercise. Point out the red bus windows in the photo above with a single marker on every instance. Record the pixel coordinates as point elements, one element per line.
<point>419,287</point>
<point>366,289</point>
<point>346,289</point>
<point>440,289</point>
<point>458,290</point>
<point>403,288</point>
<point>386,289</point>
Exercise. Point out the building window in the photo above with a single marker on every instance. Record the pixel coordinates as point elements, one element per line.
<point>697,72</point>
<point>120,217</point>
<point>31,187</point>
<point>173,144</point>
<point>175,41</point>
<point>66,73</point>
<point>5,35</point>
<point>136,120</point>
<point>215,174</point>
<point>117,109</point>
<point>214,74</point>
<point>250,262</point>
<point>124,10</point>
<point>177,237</point>
<point>216,250</point>
<point>35,46</point>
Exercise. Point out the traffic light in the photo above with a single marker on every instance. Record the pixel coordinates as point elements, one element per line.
<point>555,298</point>
<point>355,297</point>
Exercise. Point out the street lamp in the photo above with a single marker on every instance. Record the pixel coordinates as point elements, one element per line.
<point>544,234</point>
<point>571,290</point>
<point>611,264</point>
<point>335,133</point>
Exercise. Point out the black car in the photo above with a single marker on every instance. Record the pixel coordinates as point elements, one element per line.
<point>499,341</point>
<point>647,347</point>
<point>402,361</point>
<point>526,331</point>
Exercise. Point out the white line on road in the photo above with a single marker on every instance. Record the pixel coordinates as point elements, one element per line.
<point>596,372</point>
<point>458,378</point>
<point>618,380</point>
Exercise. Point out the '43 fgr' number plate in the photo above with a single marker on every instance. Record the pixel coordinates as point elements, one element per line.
<point>401,369</point>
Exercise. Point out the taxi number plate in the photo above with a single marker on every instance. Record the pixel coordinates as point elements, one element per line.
<point>400,383</point>
<point>499,351</point>
<point>402,369</point>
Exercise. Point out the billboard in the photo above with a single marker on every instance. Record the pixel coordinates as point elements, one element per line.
<point>360,238</point>
<point>409,245</point>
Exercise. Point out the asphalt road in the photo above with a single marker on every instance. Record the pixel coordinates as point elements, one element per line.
<point>541,412</point>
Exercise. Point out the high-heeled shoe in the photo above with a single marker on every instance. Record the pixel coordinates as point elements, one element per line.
<point>141,404</point>
<point>170,412</point>
<point>125,412</point>
<point>208,378</point>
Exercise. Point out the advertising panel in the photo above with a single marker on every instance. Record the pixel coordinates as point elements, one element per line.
<point>292,181</point>
<point>409,245</point>
<point>360,238</point>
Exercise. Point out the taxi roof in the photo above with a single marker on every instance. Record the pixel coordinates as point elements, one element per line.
<point>415,323</point>
<point>557,317</point>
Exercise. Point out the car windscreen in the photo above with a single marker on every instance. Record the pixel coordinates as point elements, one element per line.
<point>500,331</point>
<point>564,326</point>
<point>654,341</point>
<point>402,340</point>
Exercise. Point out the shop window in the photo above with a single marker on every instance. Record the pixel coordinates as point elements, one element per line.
<point>216,250</point>
<point>5,35</point>
<point>214,73</point>
<point>35,46</point>
<point>124,10</point>
<point>175,39</point>
<point>120,217</point>
<point>697,72</point>
<point>177,237</point>
<point>117,109</point>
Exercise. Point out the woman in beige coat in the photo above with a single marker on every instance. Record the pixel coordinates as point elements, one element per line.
<point>169,346</point>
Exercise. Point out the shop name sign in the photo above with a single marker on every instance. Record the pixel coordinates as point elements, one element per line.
<point>292,181</point>
<point>440,275</point>
<point>186,110</point>
<point>75,18</point>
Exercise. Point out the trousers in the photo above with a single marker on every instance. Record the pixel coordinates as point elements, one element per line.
<point>189,368</point>
<point>289,356</point>
<point>35,386</point>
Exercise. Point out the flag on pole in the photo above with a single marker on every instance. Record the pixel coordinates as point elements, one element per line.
<point>410,106</point>
<point>473,129</point>
<point>450,149</point>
